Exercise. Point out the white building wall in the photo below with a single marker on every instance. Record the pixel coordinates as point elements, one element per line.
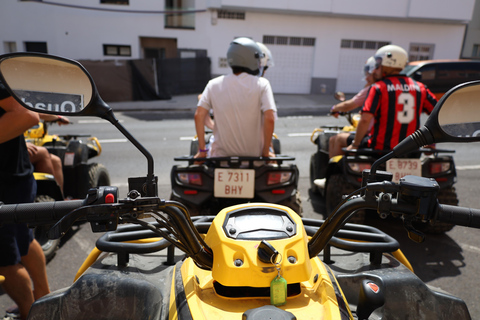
<point>81,33</point>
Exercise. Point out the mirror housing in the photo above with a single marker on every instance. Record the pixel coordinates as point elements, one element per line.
<point>51,84</point>
<point>56,85</point>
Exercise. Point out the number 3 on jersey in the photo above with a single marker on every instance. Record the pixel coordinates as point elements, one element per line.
<point>408,113</point>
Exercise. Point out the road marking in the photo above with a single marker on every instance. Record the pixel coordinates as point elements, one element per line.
<point>300,134</point>
<point>94,121</point>
<point>470,248</point>
<point>113,141</point>
<point>471,167</point>
<point>186,138</point>
<point>299,117</point>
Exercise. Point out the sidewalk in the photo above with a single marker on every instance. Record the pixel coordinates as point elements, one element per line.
<point>286,103</point>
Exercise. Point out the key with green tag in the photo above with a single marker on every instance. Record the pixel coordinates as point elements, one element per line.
<point>278,291</point>
<point>278,288</point>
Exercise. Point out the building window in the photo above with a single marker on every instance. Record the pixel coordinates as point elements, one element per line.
<point>117,50</point>
<point>362,44</point>
<point>177,19</point>
<point>10,46</point>
<point>40,47</point>
<point>419,52</point>
<point>292,41</point>
<point>476,51</point>
<point>223,62</point>
<point>236,15</point>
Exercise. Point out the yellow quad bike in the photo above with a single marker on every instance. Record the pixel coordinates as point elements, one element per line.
<point>75,151</point>
<point>251,261</point>
<point>341,175</point>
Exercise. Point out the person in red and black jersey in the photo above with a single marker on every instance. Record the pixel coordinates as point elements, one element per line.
<point>395,103</point>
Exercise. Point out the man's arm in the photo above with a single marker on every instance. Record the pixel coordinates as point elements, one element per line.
<point>268,127</point>
<point>15,120</point>
<point>362,129</point>
<point>199,117</point>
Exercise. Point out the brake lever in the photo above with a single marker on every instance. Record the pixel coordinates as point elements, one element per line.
<point>101,217</point>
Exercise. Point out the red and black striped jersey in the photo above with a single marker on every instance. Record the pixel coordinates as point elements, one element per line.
<point>396,103</point>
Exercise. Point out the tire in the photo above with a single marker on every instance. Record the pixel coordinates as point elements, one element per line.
<point>98,176</point>
<point>337,187</point>
<point>445,196</point>
<point>294,203</point>
<point>193,147</point>
<point>49,246</point>
<point>276,146</point>
<point>313,173</point>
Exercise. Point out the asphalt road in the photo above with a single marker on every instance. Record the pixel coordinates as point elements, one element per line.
<point>449,261</point>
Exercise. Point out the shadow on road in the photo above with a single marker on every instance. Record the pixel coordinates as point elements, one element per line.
<point>437,257</point>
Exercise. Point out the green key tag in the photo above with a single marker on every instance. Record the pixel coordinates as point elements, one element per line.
<point>278,291</point>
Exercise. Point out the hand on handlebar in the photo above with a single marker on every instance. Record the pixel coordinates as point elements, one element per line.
<point>62,120</point>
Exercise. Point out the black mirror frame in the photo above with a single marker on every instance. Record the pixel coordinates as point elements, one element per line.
<point>434,126</point>
<point>96,106</point>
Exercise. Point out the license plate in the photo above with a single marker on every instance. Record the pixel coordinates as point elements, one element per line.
<point>404,167</point>
<point>234,183</point>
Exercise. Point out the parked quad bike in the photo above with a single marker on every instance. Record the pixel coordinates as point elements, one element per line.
<point>75,152</point>
<point>245,179</point>
<point>343,174</point>
<point>250,261</point>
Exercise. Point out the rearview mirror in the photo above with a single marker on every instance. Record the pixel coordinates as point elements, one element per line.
<point>47,84</point>
<point>457,115</point>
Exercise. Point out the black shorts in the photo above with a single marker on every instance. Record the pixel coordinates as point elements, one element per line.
<point>363,143</point>
<point>15,239</point>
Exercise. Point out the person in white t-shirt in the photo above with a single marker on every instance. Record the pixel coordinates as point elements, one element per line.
<point>243,104</point>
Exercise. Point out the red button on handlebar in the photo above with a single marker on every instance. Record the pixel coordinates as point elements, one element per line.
<point>109,198</point>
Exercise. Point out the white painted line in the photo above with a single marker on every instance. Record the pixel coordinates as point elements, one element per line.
<point>186,138</point>
<point>113,141</point>
<point>472,167</point>
<point>299,117</point>
<point>300,134</point>
<point>470,248</point>
<point>95,121</point>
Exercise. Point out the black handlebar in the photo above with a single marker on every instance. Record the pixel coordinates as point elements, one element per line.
<point>36,214</point>
<point>460,216</point>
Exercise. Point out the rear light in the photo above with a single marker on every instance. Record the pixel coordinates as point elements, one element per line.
<point>190,178</point>
<point>439,167</point>
<point>359,166</point>
<point>277,177</point>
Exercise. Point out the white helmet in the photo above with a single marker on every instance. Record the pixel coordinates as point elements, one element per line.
<point>392,56</point>
<point>245,53</point>
<point>267,60</point>
<point>370,65</point>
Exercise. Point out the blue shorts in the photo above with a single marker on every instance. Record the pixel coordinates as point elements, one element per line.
<point>15,239</point>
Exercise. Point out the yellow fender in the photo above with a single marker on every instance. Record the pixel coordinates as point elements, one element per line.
<point>96,143</point>
<point>313,137</point>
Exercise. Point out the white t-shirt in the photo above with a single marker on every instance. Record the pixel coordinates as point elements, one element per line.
<point>238,103</point>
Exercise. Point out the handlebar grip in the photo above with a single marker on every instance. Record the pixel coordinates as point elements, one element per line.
<point>37,213</point>
<point>461,216</point>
